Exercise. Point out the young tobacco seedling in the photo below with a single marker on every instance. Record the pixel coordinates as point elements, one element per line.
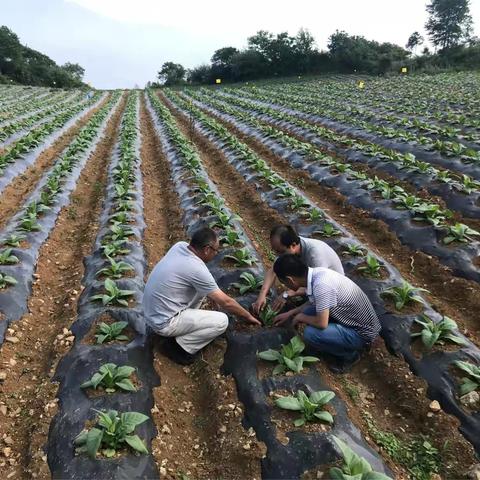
<point>297,202</point>
<point>6,281</point>
<point>439,332</point>
<point>13,240</point>
<point>242,257</point>
<point>250,283</point>
<point>354,466</point>
<point>460,233</point>
<point>111,378</point>
<point>404,294</point>
<point>230,237</point>
<point>113,295</point>
<point>288,357</point>
<point>266,315</point>
<point>114,248</point>
<point>113,431</point>
<point>29,223</point>
<point>6,257</point>
<point>471,382</point>
<point>372,267</point>
<point>309,405</point>
<point>109,332</point>
<point>314,215</point>
<point>354,250</point>
<point>328,230</point>
<point>115,269</point>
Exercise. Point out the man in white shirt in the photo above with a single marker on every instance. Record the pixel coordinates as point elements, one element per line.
<point>173,294</point>
<point>313,252</point>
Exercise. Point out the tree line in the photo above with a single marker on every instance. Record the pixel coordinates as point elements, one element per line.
<point>266,55</point>
<point>21,64</point>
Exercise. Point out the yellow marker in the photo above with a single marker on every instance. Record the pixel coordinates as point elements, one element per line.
<point>218,80</point>
<point>361,84</point>
<point>404,69</point>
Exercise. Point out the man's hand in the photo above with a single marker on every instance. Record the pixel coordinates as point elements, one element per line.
<point>298,318</point>
<point>252,319</point>
<point>279,303</point>
<point>282,318</point>
<point>259,304</point>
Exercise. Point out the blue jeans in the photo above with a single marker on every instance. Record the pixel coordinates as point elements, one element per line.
<point>337,340</point>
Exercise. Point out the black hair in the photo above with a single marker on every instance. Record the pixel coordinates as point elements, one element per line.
<point>290,265</point>
<point>286,234</point>
<point>203,237</point>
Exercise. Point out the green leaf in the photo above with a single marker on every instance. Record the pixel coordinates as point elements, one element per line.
<point>132,419</point>
<point>288,403</point>
<point>308,359</point>
<point>109,452</point>
<point>93,441</point>
<point>375,476</point>
<point>126,385</point>
<point>269,355</point>
<point>299,422</point>
<point>279,369</point>
<point>322,397</point>
<point>297,345</point>
<point>290,364</point>
<point>468,386</point>
<point>136,443</point>
<point>324,417</point>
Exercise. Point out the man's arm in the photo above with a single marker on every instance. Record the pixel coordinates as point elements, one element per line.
<point>283,317</point>
<point>232,306</point>
<point>268,282</point>
<point>320,320</point>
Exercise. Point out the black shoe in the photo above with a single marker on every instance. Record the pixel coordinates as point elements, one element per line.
<point>343,366</point>
<point>176,353</point>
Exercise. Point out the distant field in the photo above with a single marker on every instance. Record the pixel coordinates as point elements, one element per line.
<point>95,187</point>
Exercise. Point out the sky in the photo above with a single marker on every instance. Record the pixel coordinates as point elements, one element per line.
<point>123,43</point>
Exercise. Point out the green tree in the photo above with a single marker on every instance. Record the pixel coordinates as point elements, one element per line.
<point>74,70</point>
<point>449,22</point>
<point>172,73</point>
<point>414,40</point>
<point>223,56</point>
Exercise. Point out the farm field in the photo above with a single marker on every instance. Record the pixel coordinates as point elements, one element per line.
<point>94,189</point>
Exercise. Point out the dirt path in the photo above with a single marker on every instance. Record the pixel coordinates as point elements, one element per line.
<point>18,190</point>
<point>27,395</point>
<point>196,411</point>
<point>380,384</point>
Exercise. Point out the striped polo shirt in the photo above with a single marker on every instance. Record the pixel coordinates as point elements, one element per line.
<point>348,304</point>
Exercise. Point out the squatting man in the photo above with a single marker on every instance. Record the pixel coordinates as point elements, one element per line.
<point>340,320</point>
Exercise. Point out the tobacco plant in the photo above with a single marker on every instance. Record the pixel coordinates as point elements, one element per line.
<point>242,257</point>
<point>328,230</point>
<point>310,406</point>
<point>110,332</point>
<point>471,382</point>
<point>266,315</point>
<point>437,332</point>
<point>115,269</point>
<point>288,357</point>
<point>13,240</point>
<point>6,281</point>
<point>404,294</point>
<point>372,267</point>
<point>460,233</point>
<point>6,257</point>
<point>112,432</point>
<point>249,283</point>
<point>354,467</point>
<point>111,378</point>
<point>113,295</point>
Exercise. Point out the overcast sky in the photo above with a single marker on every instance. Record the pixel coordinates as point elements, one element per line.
<point>122,43</point>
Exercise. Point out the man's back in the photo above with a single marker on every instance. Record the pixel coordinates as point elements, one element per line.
<point>316,253</point>
<point>347,302</point>
<point>176,282</point>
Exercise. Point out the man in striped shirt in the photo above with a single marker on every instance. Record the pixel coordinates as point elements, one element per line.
<point>340,320</point>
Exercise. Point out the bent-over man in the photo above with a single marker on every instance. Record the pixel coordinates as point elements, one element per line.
<point>313,252</point>
<point>340,320</point>
<point>173,294</point>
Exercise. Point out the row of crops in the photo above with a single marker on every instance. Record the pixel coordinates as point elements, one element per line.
<point>414,167</point>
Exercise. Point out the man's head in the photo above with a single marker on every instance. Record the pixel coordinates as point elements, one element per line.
<point>284,239</point>
<point>291,271</point>
<point>205,243</point>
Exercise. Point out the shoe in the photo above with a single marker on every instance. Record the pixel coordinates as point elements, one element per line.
<point>176,353</point>
<point>343,366</point>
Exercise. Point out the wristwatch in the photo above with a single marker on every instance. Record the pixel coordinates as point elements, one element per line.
<point>285,295</point>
